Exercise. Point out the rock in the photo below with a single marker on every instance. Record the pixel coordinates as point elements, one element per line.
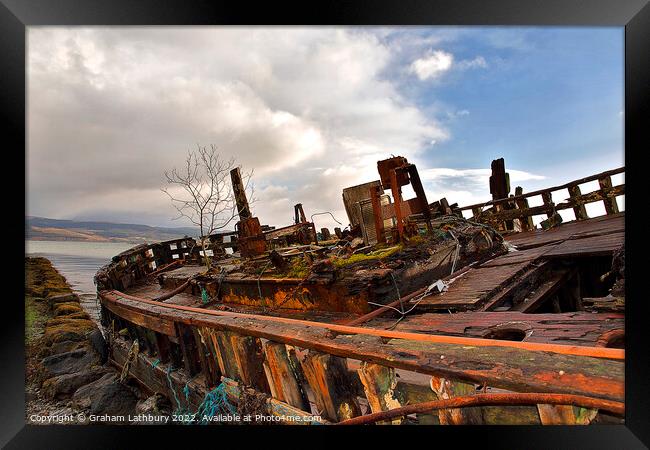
<point>82,397</point>
<point>70,330</point>
<point>60,347</point>
<point>99,344</point>
<point>69,362</point>
<point>106,396</point>
<point>66,320</point>
<point>156,405</point>
<point>63,386</point>
<point>65,298</point>
<point>62,309</point>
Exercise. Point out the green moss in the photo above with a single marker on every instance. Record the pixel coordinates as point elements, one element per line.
<point>374,255</point>
<point>35,317</point>
<point>70,330</point>
<point>298,268</point>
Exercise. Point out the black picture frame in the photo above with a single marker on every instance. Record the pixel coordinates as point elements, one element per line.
<point>634,15</point>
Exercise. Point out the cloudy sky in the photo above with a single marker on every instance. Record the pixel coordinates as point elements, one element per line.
<point>312,110</point>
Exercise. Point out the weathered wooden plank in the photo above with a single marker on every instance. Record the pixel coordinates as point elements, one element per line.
<point>223,349</point>
<point>380,386</point>
<point>508,365</point>
<point>543,292</point>
<point>446,389</point>
<point>249,359</point>
<point>595,226</point>
<point>565,415</point>
<point>143,319</point>
<point>574,328</point>
<point>333,391</point>
<point>191,358</point>
<point>522,204</point>
<point>292,415</point>
<point>162,347</point>
<point>607,173</point>
<point>208,359</point>
<point>610,203</point>
<point>579,210</point>
<point>588,246</point>
<point>284,375</point>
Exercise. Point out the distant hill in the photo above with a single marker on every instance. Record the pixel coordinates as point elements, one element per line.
<point>43,229</point>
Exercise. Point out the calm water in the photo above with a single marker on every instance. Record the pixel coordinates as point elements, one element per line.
<point>78,262</point>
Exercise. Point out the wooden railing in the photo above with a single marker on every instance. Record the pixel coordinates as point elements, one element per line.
<point>514,213</point>
<point>340,368</point>
<point>140,261</point>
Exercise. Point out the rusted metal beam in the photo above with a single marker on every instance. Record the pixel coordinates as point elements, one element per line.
<point>375,192</point>
<point>299,214</point>
<point>616,408</point>
<point>239,191</point>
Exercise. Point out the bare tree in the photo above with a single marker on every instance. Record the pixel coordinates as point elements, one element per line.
<point>201,191</point>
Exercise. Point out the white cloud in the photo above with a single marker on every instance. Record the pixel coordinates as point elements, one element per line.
<point>466,186</point>
<point>436,63</point>
<point>433,65</point>
<point>475,174</point>
<point>109,109</point>
<point>479,62</point>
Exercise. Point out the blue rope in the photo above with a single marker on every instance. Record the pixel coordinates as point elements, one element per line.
<point>204,296</point>
<point>213,403</point>
<point>171,386</point>
<point>155,363</point>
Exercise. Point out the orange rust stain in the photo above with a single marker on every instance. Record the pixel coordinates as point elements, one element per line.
<point>594,385</point>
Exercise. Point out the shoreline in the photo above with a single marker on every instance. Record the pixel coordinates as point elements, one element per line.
<point>67,375</point>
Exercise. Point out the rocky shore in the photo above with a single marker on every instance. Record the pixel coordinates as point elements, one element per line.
<point>68,379</point>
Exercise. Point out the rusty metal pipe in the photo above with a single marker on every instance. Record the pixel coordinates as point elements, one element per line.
<point>509,399</point>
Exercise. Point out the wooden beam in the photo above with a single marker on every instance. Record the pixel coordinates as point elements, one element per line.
<point>544,291</point>
<point>327,376</point>
<point>579,210</point>
<point>249,358</point>
<point>284,375</point>
<point>447,389</point>
<point>610,203</point>
<point>522,204</point>
<point>380,386</point>
<point>550,189</point>
<point>519,366</point>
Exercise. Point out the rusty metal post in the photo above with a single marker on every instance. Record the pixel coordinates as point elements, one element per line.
<point>500,188</point>
<point>299,214</point>
<point>419,192</point>
<point>239,191</point>
<point>377,213</point>
<point>397,198</point>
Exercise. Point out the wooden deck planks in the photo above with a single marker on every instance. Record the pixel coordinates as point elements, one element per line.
<point>598,225</point>
<point>588,246</point>
<point>476,286</point>
<point>575,328</point>
<point>592,237</point>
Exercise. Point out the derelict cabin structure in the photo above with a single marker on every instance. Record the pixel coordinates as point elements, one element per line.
<point>418,312</point>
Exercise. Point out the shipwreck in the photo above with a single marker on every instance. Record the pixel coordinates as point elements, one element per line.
<point>416,313</point>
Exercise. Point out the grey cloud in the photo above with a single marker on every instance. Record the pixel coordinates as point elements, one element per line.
<point>109,109</point>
